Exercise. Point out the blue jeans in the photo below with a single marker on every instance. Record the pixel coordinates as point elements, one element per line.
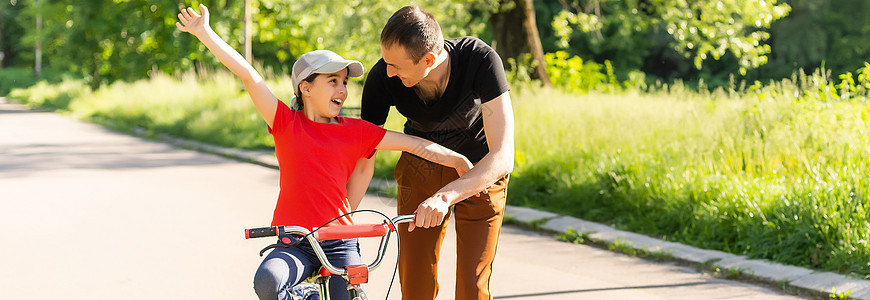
<point>284,268</point>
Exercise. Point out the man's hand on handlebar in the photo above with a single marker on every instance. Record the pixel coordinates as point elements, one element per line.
<point>430,213</point>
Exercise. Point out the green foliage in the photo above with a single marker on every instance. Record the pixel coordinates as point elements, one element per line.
<point>612,30</point>
<point>107,40</point>
<point>834,33</point>
<point>710,28</point>
<point>11,78</point>
<point>838,295</point>
<point>697,30</point>
<point>729,273</point>
<point>352,29</point>
<point>818,86</point>
<point>103,41</point>
<point>573,74</point>
<point>572,236</point>
<point>564,23</point>
<point>44,95</point>
<point>10,33</point>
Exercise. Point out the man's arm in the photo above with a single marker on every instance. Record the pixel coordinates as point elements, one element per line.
<point>498,125</point>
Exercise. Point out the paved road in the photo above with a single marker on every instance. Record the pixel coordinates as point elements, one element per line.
<point>87,213</point>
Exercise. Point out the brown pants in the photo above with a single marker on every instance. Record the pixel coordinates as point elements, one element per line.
<point>478,222</point>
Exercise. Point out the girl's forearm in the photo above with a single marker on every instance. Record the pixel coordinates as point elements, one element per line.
<point>438,154</point>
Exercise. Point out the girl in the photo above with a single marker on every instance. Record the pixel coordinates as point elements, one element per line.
<point>316,151</point>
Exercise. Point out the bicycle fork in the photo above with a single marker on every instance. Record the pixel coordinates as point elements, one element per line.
<point>355,276</point>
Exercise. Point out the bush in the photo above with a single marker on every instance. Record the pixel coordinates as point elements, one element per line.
<point>45,95</point>
<point>572,74</point>
<point>12,78</point>
<point>15,78</point>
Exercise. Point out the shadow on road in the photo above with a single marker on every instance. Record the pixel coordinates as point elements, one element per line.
<point>29,159</point>
<point>523,296</point>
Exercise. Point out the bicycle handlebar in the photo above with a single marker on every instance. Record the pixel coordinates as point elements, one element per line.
<point>334,233</point>
<point>261,232</point>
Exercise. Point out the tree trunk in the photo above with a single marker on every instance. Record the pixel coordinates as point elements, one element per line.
<point>2,48</point>
<point>511,45</point>
<point>37,68</point>
<point>248,56</point>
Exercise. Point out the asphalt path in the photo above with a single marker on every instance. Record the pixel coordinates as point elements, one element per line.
<point>89,213</point>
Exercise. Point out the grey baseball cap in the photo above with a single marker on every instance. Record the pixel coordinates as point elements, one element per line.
<point>322,62</point>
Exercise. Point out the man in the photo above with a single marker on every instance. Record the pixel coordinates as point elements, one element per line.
<point>453,92</point>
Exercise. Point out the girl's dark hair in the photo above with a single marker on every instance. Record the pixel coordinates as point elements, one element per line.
<point>299,103</point>
<point>415,30</point>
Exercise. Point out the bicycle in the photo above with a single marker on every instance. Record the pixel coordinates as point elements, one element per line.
<point>354,275</point>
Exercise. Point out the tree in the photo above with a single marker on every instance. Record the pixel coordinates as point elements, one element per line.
<point>10,33</point>
<point>107,40</point>
<point>816,32</point>
<point>698,30</point>
<point>248,30</point>
<point>37,65</point>
<point>351,29</point>
<point>509,44</point>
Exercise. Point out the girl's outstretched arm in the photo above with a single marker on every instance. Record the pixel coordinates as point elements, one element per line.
<point>197,24</point>
<point>426,149</point>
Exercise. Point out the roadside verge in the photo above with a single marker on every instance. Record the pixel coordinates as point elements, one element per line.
<point>836,286</point>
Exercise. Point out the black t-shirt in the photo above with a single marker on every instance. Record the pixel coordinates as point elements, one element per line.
<point>454,121</point>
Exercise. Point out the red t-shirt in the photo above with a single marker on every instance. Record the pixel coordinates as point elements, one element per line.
<point>315,162</point>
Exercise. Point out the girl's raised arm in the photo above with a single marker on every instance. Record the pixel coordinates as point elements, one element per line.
<point>196,24</point>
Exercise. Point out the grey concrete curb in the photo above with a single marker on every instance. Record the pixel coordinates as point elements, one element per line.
<point>798,277</point>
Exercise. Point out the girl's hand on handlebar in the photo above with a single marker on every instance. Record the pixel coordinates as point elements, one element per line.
<point>430,213</point>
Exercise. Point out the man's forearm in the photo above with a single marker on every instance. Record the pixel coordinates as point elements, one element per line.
<point>490,169</point>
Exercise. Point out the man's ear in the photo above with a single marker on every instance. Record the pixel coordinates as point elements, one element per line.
<point>429,58</point>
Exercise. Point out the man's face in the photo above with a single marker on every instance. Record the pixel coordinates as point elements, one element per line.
<point>399,64</point>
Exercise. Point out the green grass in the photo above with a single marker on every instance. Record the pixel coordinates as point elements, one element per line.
<point>16,78</point>
<point>767,177</point>
<point>776,171</point>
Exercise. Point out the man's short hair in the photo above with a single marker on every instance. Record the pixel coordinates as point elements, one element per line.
<point>414,29</point>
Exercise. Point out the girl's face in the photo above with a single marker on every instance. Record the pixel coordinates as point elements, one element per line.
<point>324,96</point>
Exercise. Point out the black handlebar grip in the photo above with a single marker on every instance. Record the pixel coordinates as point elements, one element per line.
<point>261,232</point>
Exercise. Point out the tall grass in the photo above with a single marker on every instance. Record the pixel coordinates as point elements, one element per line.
<point>768,177</point>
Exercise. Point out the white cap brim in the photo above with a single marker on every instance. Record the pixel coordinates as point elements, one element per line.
<point>354,68</point>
